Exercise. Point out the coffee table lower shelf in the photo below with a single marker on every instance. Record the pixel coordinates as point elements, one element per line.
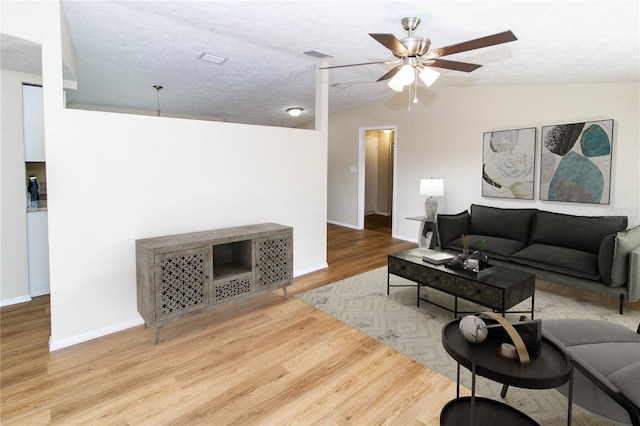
<point>486,412</point>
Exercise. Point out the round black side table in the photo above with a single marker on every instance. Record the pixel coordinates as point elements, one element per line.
<point>550,370</point>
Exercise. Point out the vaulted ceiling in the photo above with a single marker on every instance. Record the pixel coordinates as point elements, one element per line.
<point>124,48</point>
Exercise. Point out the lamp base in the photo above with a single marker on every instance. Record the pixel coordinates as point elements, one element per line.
<point>431,208</point>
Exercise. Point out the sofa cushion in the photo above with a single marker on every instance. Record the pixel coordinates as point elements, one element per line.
<point>609,353</point>
<point>627,379</point>
<point>559,259</point>
<point>625,242</point>
<point>512,224</point>
<point>498,248</point>
<point>616,362</point>
<point>451,226</point>
<point>605,258</point>
<point>584,233</point>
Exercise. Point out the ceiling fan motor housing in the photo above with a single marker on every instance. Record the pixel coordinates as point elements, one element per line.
<point>417,46</point>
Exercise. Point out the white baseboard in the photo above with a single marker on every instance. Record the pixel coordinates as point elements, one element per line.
<point>346,225</point>
<point>15,300</point>
<point>310,270</point>
<point>39,290</point>
<point>405,238</point>
<point>84,337</point>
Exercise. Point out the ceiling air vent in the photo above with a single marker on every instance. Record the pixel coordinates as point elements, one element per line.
<point>317,54</point>
<point>208,57</point>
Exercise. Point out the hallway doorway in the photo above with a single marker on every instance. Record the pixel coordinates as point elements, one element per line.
<point>375,183</point>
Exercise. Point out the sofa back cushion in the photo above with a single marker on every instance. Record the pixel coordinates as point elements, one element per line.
<point>451,226</point>
<point>583,233</point>
<point>512,224</point>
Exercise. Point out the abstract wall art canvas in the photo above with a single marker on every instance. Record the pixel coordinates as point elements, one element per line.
<point>575,162</point>
<point>508,164</point>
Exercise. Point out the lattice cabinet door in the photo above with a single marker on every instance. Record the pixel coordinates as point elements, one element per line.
<point>274,261</point>
<point>181,282</point>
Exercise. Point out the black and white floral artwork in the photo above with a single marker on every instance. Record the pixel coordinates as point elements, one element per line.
<point>508,164</point>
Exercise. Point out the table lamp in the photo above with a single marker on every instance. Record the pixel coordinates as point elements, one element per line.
<point>431,187</point>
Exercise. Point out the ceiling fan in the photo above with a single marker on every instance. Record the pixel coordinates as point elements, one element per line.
<point>415,58</point>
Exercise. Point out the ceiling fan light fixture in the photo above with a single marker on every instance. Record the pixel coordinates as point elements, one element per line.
<point>294,111</point>
<point>396,86</point>
<point>428,76</point>
<point>406,75</point>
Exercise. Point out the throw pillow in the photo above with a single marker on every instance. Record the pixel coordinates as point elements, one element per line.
<point>605,258</point>
<point>451,226</point>
<point>625,243</point>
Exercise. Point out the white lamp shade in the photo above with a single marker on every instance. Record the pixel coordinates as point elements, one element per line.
<point>405,76</point>
<point>432,187</point>
<point>394,85</point>
<point>429,76</point>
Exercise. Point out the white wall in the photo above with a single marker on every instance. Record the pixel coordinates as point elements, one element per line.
<point>442,137</point>
<point>14,280</point>
<point>384,173</point>
<point>114,178</point>
<point>371,174</point>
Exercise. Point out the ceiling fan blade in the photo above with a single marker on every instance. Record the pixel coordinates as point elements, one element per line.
<point>390,74</point>
<point>392,43</point>
<point>355,65</point>
<point>478,43</point>
<point>453,65</point>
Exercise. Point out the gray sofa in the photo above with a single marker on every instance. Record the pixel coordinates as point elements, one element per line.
<point>593,253</point>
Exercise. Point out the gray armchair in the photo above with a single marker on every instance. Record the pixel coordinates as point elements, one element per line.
<point>606,359</point>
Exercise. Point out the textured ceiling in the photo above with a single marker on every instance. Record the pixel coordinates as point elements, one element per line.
<point>126,47</point>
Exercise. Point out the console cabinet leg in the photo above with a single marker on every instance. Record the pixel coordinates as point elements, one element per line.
<point>158,331</point>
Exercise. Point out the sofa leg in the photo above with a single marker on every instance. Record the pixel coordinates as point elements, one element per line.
<point>621,303</point>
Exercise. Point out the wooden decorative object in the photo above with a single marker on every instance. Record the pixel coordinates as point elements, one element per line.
<point>521,349</point>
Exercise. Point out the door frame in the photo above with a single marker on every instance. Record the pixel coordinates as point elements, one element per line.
<point>361,168</point>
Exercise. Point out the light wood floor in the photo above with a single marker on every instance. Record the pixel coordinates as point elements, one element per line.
<point>264,361</point>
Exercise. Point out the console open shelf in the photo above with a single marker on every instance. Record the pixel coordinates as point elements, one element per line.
<point>232,259</point>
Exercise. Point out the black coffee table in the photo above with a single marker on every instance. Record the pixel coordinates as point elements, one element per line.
<point>550,370</point>
<point>498,288</point>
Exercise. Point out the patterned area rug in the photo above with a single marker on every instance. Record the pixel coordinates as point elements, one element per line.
<point>362,302</point>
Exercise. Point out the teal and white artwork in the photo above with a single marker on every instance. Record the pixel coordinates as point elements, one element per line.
<point>575,162</point>
<point>508,163</point>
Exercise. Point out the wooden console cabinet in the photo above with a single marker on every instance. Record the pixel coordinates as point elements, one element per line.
<point>181,275</point>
